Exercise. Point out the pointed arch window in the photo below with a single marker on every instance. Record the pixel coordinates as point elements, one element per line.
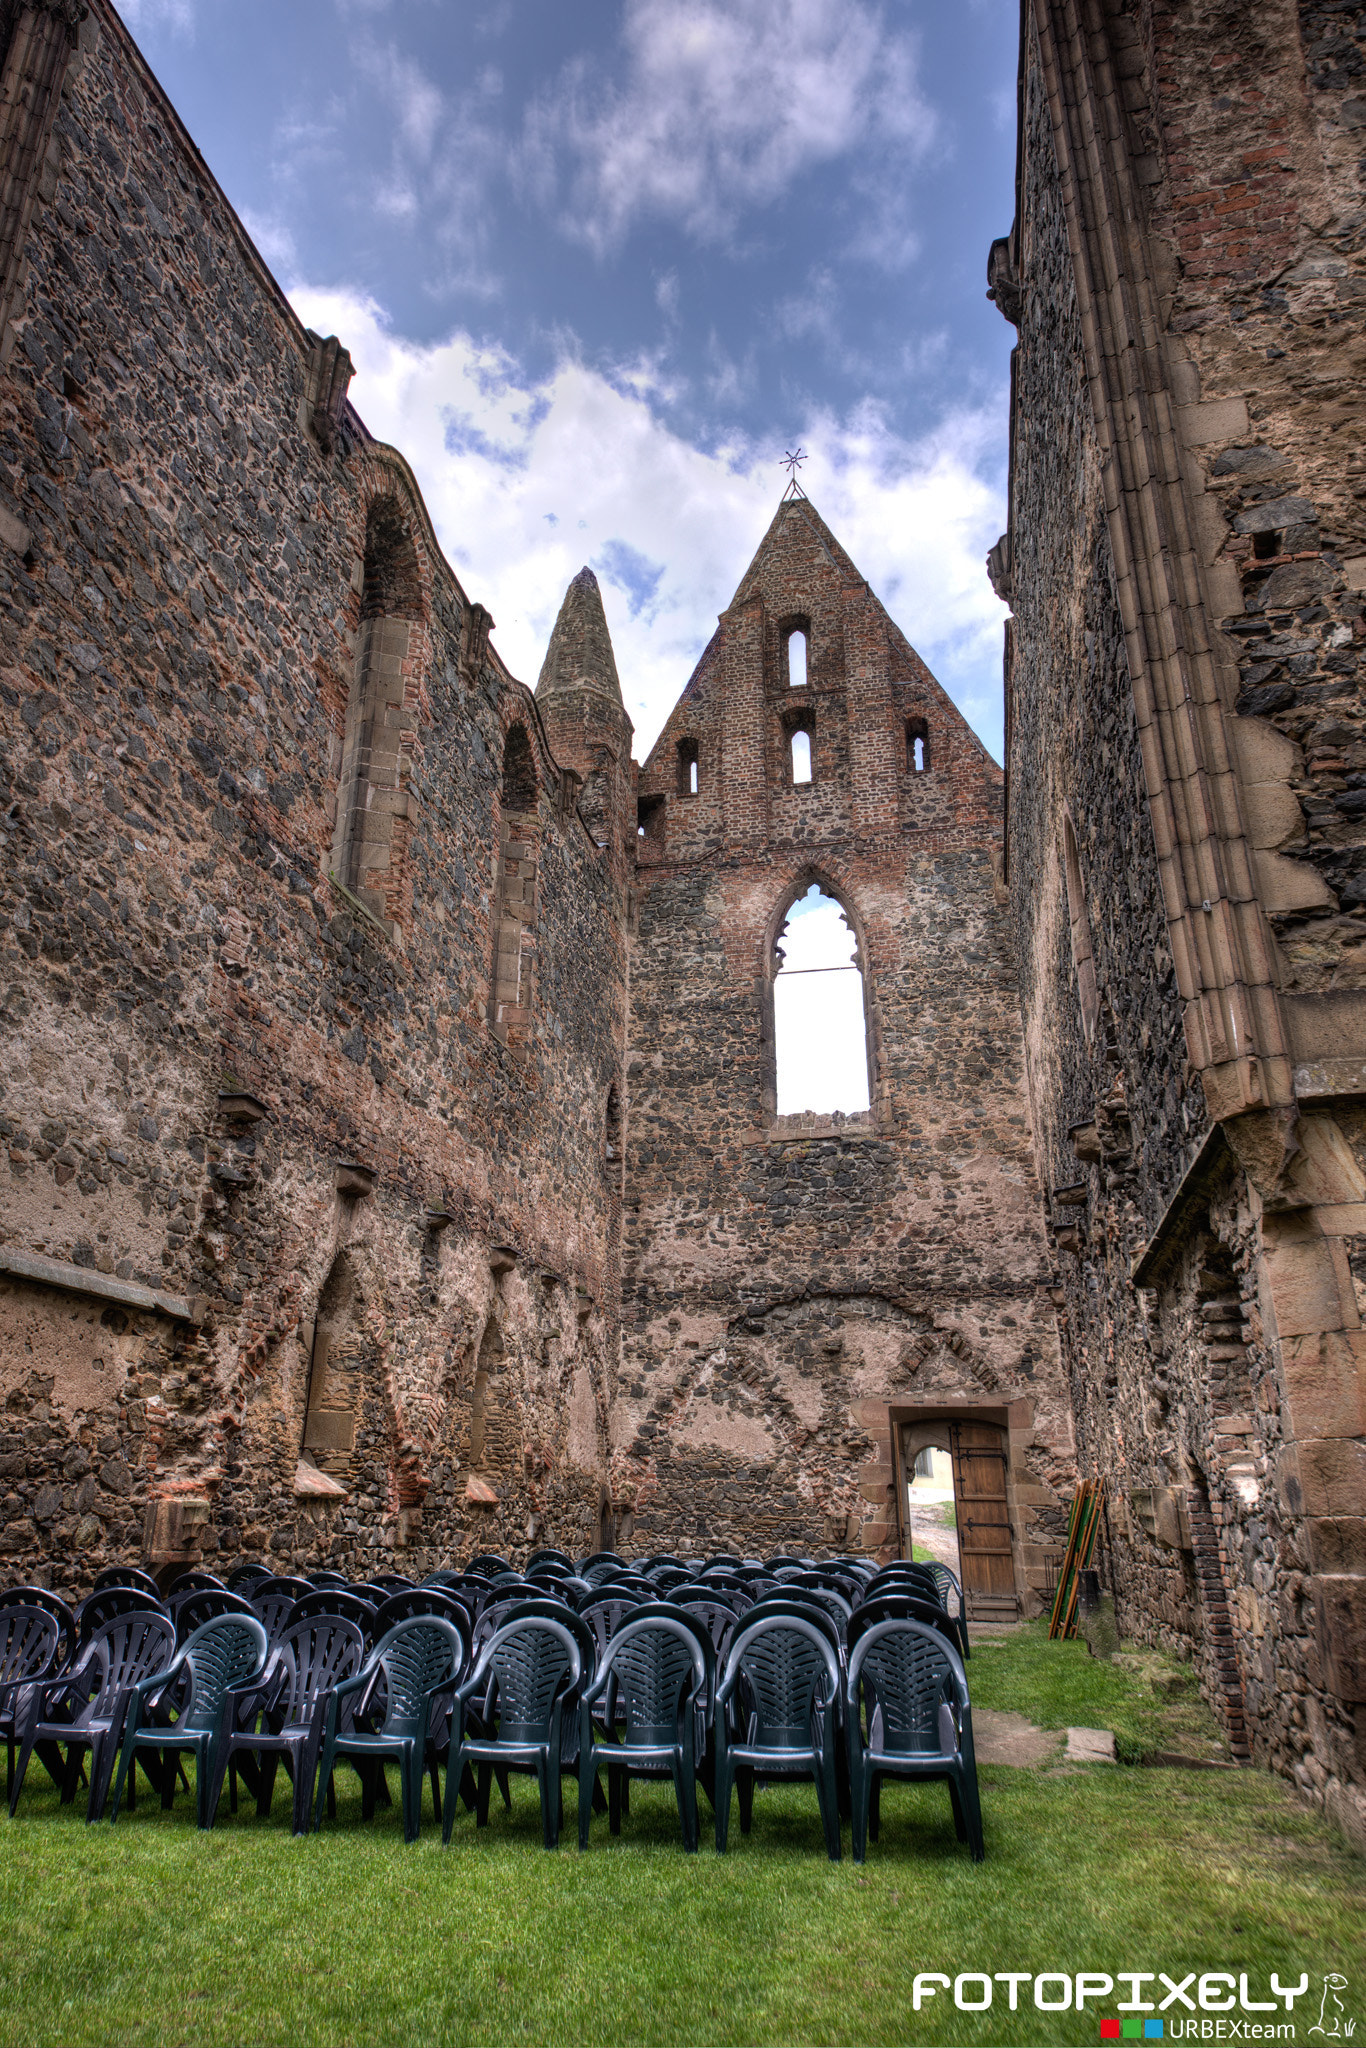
<point>376,747</point>
<point>510,1005</point>
<point>800,744</point>
<point>796,658</point>
<point>820,1031</point>
<point>917,745</point>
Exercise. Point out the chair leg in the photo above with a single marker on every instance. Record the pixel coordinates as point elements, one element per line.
<point>126,1762</point>
<point>744,1785</point>
<point>721,1802</point>
<point>411,1773</point>
<point>265,1783</point>
<point>325,1786</point>
<point>685,1788</point>
<point>211,1767</point>
<point>71,1773</point>
<point>481,1804</point>
<point>457,1771</point>
<point>171,1769</point>
<point>14,1782</point>
<point>550,1803</point>
<point>875,1807</point>
<point>468,1791</point>
<point>859,1792</point>
<point>103,1749</point>
<point>588,1787</point>
<point>301,1785</point>
<point>959,1824</point>
<point>827,1795</point>
<point>614,1777</point>
<point>503,1786</point>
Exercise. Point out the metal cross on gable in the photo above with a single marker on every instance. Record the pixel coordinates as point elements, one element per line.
<point>793,458</point>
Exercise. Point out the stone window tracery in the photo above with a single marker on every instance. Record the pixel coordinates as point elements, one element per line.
<point>917,745</point>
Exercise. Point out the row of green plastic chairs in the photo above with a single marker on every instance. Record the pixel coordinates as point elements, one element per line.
<point>235,1700</point>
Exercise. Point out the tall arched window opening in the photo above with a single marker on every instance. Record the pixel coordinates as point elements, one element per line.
<point>801,756</point>
<point>688,777</point>
<point>819,1027</point>
<point>519,834</point>
<point>1088,988</point>
<point>796,658</point>
<point>917,745</point>
<point>376,754</point>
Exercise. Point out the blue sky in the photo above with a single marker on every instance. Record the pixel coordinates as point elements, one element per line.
<point>598,264</point>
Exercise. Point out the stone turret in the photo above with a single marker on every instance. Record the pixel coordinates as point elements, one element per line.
<point>579,694</point>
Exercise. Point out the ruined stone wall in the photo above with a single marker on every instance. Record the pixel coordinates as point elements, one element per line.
<point>793,1284</point>
<point>225,1071</point>
<point>1210,1329</point>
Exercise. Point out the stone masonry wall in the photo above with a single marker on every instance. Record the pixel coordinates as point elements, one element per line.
<point>792,1284</point>
<point>206,1035</point>
<point>1210,1348</point>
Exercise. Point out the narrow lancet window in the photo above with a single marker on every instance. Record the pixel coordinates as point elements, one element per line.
<point>796,659</point>
<point>917,745</point>
<point>801,757</point>
<point>820,1037</point>
<point>514,941</point>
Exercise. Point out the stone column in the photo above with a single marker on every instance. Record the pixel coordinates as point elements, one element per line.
<point>40,45</point>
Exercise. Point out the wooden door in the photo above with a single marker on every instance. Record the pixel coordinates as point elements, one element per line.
<point>985,1537</point>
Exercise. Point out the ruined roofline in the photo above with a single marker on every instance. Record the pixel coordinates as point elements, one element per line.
<point>111,23</point>
<point>842,560</point>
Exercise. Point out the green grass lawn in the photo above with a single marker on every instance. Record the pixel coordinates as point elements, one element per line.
<point>150,1931</point>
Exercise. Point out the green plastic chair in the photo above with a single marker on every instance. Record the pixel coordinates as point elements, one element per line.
<point>527,1679</point>
<point>655,1673</point>
<point>919,1723</point>
<point>223,1653</point>
<point>419,1659</point>
<point>791,1673</point>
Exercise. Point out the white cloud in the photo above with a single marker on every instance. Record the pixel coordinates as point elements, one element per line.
<point>724,104</point>
<point>526,482</point>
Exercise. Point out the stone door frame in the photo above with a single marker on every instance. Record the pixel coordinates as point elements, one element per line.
<point>1014,1418</point>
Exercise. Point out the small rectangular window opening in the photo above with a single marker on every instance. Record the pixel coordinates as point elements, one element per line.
<point>1265,545</point>
<point>688,776</point>
<point>801,757</point>
<point>917,746</point>
<point>796,660</point>
<point>650,818</point>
